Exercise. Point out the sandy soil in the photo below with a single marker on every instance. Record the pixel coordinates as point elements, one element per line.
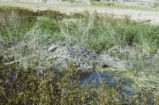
<point>135,14</point>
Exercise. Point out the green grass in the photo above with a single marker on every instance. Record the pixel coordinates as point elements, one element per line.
<point>97,33</point>
<point>134,42</point>
<point>101,36</point>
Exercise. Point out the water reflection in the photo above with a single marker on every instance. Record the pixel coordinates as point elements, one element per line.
<point>111,80</point>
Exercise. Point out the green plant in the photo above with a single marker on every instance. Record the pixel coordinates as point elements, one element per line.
<point>26,78</point>
<point>52,87</point>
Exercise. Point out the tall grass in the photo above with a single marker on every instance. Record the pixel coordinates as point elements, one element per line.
<point>134,43</point>
<point>102,34</point>
<point>95,31</point>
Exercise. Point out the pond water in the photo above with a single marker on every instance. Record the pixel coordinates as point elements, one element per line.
<point>111,80</point>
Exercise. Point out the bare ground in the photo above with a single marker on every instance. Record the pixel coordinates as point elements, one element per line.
<point>135,14</point>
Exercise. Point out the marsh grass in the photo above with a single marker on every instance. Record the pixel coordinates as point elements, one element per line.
<point>51,87</point>
<point>104,31</point>
<point>133,42</point>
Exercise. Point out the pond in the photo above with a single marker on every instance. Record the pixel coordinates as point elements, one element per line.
<point>111,80</point>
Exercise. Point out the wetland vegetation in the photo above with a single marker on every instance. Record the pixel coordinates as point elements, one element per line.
<point>28,77</point>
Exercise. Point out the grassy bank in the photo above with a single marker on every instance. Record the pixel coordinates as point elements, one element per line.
<point>105,32</point>
<point>26,77</point>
